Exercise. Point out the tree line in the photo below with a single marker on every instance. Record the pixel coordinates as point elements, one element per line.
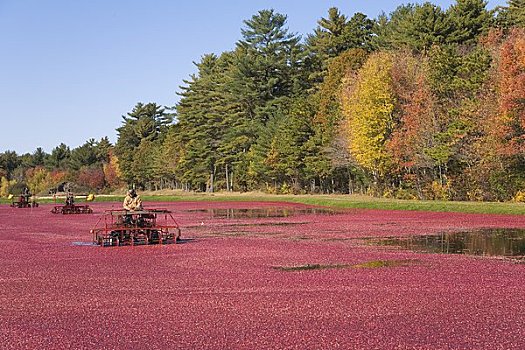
<point>422,103</point>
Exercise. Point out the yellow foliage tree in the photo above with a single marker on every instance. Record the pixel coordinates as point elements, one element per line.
<point>4,186</point>
<point>39,179</point>
<point>368,107</point>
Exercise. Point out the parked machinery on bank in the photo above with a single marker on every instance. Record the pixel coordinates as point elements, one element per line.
<point>147,226</point>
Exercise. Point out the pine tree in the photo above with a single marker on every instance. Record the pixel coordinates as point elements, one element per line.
<point>267,68</point>
<point>59,157</point>
<point>39,157</point>
<point>103,149</point>
<point>337,34</point>
<point>85,155</point>
<point>9,161</point>
<point>266,63</point>
<point>516,11</point>
<point>201,114</point>
<point>416,27</point>
<point>469,19</point>
<point>512,15</point>
<point>145,123</point>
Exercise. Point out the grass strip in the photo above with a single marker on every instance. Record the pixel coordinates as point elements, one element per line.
<point>334,201</point>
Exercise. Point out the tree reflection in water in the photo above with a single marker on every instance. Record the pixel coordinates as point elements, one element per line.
<point>485,242</point>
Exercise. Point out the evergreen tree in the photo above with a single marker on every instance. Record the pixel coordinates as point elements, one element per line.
<point>59,157</point>
<point>201,113</point>
<point>9,161</point>
<point>328,38</point>
<point>416,27</point>
<point>39,157</point>
<point>85,155</point>
<point>145,123</point>
<point>335,35</point>
<point>267,64</point>
<point>512,15</point>
<point>469,19</point>
<point>261,157</point>
<point>143,162</point>
<point>516,12</point>
<point>359,32</point>
<point>278,156</point>
<point>267,68</point>
<point>103,149</point>
<point>456,77</point>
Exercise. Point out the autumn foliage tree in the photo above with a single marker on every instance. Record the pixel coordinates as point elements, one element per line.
<point>368,105</point>
<point>38,179</point>
<point>111,171</point>
<point>511,87</point>
<point>91,177</point>
<point>415,121</point>
<point>502,149</point>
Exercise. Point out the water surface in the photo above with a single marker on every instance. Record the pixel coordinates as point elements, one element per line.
<point>484,242</point>
<point>271,212</point>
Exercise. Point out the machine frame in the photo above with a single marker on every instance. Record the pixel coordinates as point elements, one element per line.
<point>142,227</point>
<point>71,209</point>
<point>24,202</point>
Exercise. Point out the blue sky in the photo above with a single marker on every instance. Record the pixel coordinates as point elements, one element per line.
<point>69,69</point>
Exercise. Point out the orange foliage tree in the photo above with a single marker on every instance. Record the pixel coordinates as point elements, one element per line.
<point>414,113</point>
<point>510,130</point>
<point>501,150</point>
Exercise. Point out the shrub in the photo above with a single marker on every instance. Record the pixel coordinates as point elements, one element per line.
<point>403,193</point>
<point>519,197</point>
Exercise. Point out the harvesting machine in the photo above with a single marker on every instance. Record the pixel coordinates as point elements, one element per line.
<point>147,226</point>
<point>24,201</point>
<point>71,209</point>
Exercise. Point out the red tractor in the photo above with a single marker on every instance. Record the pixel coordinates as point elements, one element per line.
<point>148,226</point>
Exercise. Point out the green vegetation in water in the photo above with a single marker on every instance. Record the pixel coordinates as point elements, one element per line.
<point>229,234</point>
<point>310,267</point>
<point>373,264</point>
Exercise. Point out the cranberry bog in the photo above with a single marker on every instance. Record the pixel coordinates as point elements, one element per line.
<point>263,275</point>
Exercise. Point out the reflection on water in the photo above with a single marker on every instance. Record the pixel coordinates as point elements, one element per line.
<point>271,212</point>
<point>487,242</point>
